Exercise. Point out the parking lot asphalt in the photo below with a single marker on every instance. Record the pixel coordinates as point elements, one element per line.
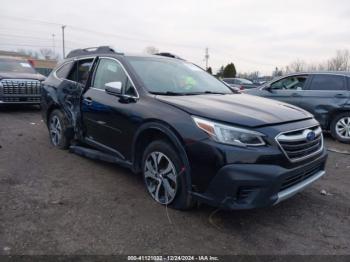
<point>55,202</point>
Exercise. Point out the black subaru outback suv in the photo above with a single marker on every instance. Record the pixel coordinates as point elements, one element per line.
<point>189,135</point>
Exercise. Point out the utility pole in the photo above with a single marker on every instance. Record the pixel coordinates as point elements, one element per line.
<point>63,46</point>
<point>206,57</point>
<point>53,43</point>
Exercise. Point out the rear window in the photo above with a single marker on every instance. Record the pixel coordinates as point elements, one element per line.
<point>16,66</point>
<point>328,82</point>
<point>83,70</point>
<point>77,72</point>
<point>64,70</point>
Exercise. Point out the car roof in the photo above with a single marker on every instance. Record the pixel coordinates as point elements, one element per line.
<point>108,51</point>
<point>116,55</point>
<point>344,73</point>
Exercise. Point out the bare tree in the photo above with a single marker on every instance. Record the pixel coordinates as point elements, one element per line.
<point>297,66</point>
<point>29,52</point>
<point>322,67</point>
<point>249,75</point>
<point>151,50</point>
<point>341,62</point>
<point>312,67</point>
<point>48,53</point>
<point>277,72</point>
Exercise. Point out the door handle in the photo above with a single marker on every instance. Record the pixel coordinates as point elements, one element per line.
<point>296,95</point>
<point>88,101</point>
<point>340,96</point>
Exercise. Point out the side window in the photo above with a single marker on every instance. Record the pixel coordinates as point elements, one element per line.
<point>328,82</point>
<point>107,71</point>
<point>83,70</point>
<point>64,70</point>
<point>290,83</point>
<point>80,71</point>
<point>129,89</point>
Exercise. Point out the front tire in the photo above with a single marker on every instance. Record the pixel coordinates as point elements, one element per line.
<point>58,124</point>
<point>165,177</point>
<point>340,127</point>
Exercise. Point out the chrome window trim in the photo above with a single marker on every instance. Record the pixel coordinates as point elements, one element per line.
<point>263,87</point>
<point>72,61</point>
<point>54,72</point>
<point>304,157</point>
<point>127,74</point>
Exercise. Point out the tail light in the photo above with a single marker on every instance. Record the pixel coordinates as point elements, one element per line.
<point>241,88</point>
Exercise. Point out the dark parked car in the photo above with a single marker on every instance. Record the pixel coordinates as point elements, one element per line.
<point>240,83</point>
<point>19,82</point>
<point>326,95</point>
<point>190,136</point>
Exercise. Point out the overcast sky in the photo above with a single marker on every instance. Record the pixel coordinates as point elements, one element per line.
<point>257,35</point>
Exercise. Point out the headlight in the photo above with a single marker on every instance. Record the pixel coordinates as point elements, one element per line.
<point>228,134</point>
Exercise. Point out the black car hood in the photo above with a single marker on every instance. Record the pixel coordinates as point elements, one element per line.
<point>14,75</point>
<point>239,109</point>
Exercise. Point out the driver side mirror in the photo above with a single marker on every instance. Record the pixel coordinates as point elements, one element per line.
<point>113,88</point>
<point>268,88</point>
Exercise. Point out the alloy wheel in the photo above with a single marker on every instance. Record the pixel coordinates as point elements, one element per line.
<point>160,177</point>
<point>55,130</point>
<point>343,127</point>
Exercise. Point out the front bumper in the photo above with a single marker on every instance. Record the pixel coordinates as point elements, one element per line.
<point>247,186</point>
<point>20,99</point>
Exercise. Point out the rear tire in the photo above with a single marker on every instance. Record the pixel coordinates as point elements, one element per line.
<point>58,124</point>
<point>164,176</point>
<point>340,127</point>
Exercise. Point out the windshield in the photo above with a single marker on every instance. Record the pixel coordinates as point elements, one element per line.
<point>244,81</point>
<point>229,80</point>
<point>16,66</point>
<point>175,77</point>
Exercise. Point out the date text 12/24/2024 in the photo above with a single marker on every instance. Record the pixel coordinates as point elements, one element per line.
<point>173,258</point>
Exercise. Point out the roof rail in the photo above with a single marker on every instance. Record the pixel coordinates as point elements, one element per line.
<point>169,55</point>
<point>92,51</point>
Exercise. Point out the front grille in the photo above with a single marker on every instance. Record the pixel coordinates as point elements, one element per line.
<point>300,144</point>
<point>303,175</point>
<point>20,99</point>
<point>20,87</point>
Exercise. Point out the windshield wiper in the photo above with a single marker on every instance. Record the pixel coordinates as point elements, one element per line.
<point>216,93</point>
<point>168,93</point>
<point>206,92</point>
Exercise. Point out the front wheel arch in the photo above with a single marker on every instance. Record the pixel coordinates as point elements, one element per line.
<point>157,131</point>
<point>334,114</point>
<point>333,124</point>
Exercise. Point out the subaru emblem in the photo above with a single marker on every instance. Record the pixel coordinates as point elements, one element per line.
<point>310,136</point>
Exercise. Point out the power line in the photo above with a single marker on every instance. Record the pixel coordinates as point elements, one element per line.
<point>24,36</point>
<point>29,45</point>
<point>103,33</point>
<point>27,19</point>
